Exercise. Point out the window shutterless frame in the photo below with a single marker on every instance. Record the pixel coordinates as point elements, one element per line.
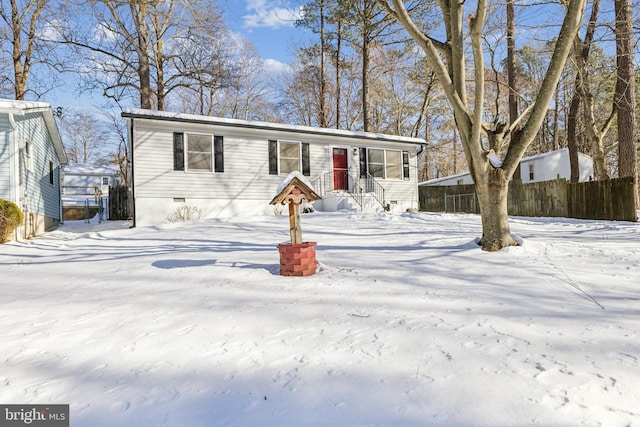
<point>384,163</point>
<point>198,152</point>
<point>288,156</point>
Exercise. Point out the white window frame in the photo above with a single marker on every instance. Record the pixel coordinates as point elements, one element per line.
<point>188,153</point>
<point>369,162</point>
<point>385,164</point>
<point>398,166</point>
<point>280,157</point>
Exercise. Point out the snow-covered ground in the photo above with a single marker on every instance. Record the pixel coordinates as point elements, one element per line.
<point>407,323</point>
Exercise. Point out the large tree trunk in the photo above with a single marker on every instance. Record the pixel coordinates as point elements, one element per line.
<point>572,137</point>
<point>140,13</point>
<point>492,198</point>
<point>338,64</point>
<point>322,119</point>
<point>490,174</point>
<point>511,62</point>
<point>21,23</point>
<point>583,96</point>
<point>365,83</point>
<point>625,90</point>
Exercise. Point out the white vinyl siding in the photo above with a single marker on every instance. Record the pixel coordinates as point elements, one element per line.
<point>246,168</point>
<point>249,156</point>
<point>5,158</point>
<point>42,166</point>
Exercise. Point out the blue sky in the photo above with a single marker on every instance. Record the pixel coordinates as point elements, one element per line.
<point>269,25</point>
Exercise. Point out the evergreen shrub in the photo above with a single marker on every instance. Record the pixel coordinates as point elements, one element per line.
<point>10,218</point>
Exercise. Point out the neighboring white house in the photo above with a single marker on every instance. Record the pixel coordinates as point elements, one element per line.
<point>86,186</point>
<point>82,178</point>
<point>541,167</point>
<point>228,167</point>
<point>31,158</point>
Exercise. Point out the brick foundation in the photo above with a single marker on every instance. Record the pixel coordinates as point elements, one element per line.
<point>297,259</point>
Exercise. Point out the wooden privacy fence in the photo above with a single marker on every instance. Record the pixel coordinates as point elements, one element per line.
<point>612,199</point>
<point>120,203</point>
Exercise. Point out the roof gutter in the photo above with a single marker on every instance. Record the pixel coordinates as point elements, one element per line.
<point>275,127</point>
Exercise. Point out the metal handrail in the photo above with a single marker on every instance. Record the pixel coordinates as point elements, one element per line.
<point>357,188</point>
<point>375,189</point>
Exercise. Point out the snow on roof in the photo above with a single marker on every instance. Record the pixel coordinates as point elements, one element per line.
<point>12,106</point>
<point>542,155</point>
<point>295,174</point>
<point>19,106</point>
<point>523,160</point>
<point>444,178</point>
<point>87,169</point>
<point>154,114</point>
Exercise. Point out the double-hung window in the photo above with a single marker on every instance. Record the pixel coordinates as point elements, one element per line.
<point>289,153</point>
<point>288,156</point>
<point>375,164</point>
<point>384,164</point>
<point>198,152</point>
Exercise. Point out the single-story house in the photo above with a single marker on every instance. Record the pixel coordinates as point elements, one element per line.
<point>85,189</point>
<point>87,179</point>
<point>226,167</point>
<point>540,167</point>
<point>31,159</point>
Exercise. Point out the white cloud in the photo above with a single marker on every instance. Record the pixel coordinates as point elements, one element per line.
<point>270,14</point>
<point>275,67</point>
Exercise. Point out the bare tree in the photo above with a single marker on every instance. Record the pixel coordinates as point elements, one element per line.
<point>21,20</point>
<point>482,143</point>
<point>371,27</point>
<point>583,94</point>
<point>84,136</point>
<point>120,156</point>
<point>625,97</point>
<point>146,50</point>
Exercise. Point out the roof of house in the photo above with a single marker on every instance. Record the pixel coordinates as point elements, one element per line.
<point>444,178</point>
<point>136,113</point>
<point>20,108</point>
<point>87,169</point>
<point>523,160</point>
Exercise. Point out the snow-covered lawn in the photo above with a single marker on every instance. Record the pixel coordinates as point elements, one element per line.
<point>408,323</point>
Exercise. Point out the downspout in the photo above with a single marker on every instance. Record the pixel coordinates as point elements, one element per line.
<point>132,177</point>
<point>13,193</point>
<point>14,172</point>
<point>60,182</point>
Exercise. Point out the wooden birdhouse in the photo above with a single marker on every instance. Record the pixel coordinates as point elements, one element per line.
<point>294,193</point>
<point>297,258</point>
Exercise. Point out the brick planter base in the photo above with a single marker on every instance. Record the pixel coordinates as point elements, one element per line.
<point>297,259</point>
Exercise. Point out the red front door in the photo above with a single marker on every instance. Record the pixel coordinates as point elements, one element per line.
<point>340,169</point>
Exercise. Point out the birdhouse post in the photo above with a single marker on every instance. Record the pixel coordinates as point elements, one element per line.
<point>297,258</point>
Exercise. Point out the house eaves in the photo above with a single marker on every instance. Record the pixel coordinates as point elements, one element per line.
<point>20,108</point>
<point>257,125</point>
